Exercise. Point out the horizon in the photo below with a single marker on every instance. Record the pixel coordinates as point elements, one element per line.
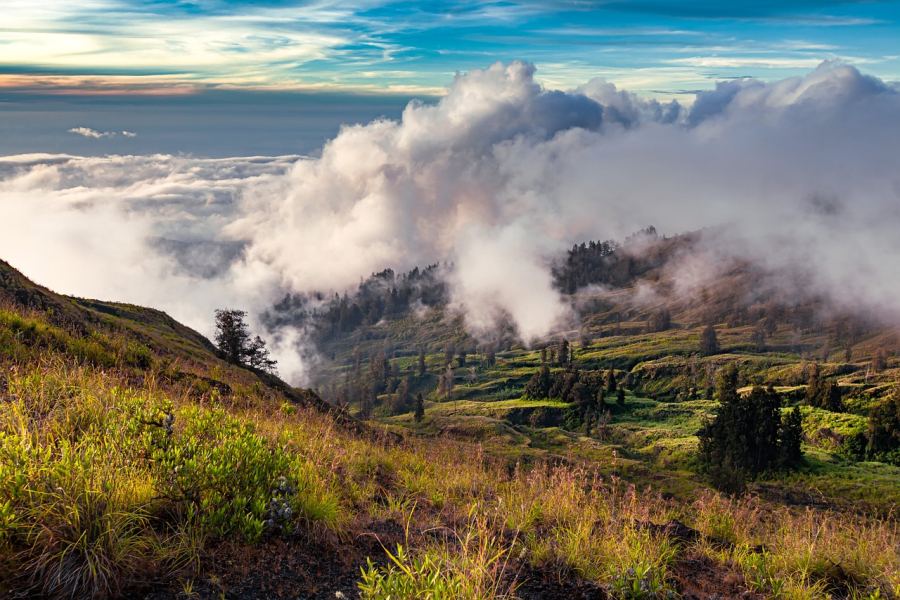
<point>211,78</point>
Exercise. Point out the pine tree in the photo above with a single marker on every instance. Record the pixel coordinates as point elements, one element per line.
<point>539,385</point>
<point>831,397</point>
<point>563,353</point>
<point>232,335</point>
<point>257,355</point>
<point>791,437</point>
<point>420,408</point>
<point>611,381</point>
<point>401,401</point>
<point>748,435</point>
<point>422,369</point>
<point>233,341</point>
<point>758,337</point>
<point>620,397</point>
<point>814,385</point>
<point>709,343</point>
<point>446,382</point>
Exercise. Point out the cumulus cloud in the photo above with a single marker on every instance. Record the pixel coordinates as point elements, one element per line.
<point>498,177</point>
<point>95,134</point>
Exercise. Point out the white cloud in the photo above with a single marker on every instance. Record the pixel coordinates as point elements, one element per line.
<point>95,134</point>
<point>499,177</point>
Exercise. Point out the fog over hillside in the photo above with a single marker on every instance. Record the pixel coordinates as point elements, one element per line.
<point>499,177</point>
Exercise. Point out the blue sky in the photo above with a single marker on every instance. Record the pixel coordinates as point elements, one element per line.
<point>304,52</point>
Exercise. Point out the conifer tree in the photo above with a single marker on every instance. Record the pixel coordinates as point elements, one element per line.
<point>422,369</point>
<point>748,435</point>
<point>611,381</point>
<point>563,353</point>
<point>791,437</point>
<point>420,408</point>
<point>539,384</point>
<point>709,343</point>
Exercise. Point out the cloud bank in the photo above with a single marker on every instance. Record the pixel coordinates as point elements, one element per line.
<point>499,177</point>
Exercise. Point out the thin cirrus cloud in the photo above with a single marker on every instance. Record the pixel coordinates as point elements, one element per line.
<point>389,46</point>
<point>87,132</point>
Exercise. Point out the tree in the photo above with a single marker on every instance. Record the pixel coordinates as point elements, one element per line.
<point>758,337</point>
<point>401,400</point>
<point>790,438</point>
<point>563,353</point>
<point>883,433</point>
<point>449,353</point>
<point>813,385</point>
<point>620,397</point>
<point>659,320</point>
<point>611,381</point>
<point>831,398</point>
<point>232,335</point>
<point>709,343</point>
<point>539,384</point>
<point>822,393</point>
<point>879,360</point>
<point>233,341</point>
<point>446,382</point>
<point>422,369</point>
<point>544,355</point>
<point>257,355</point>
<point>420,408</point>
<point>747,435</point>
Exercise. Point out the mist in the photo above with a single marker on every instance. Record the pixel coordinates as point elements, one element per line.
<point>498,178</point>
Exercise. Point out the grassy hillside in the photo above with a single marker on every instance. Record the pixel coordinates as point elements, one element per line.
<point>136,463</point>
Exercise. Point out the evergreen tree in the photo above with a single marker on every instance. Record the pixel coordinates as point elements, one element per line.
<point>446,382</point>
<point>563,353</point>
<point>422,369</point>
<point>883,435</point>
<point>831,397</point>
<point>401,400</point>
<point>611,381</point>
<point>232,335</point>
<point>660,320</point>
<point>620,397</point>
<point>747,435</point>
<point>233,341</point>
<point>758,337</point>
<point>709,343</point>
<point>539,385</point>
<point>790,438</point>
<point>257,356</point>
<point>420,408</point>
<point>814,385</point>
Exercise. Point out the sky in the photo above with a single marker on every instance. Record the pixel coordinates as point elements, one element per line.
<point>198,155</point>
<point>219,78</point>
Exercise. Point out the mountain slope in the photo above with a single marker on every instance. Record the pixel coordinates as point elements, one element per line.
<point>136,463</point>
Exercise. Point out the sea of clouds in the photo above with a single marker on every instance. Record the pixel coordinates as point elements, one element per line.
<point>499,177</point>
